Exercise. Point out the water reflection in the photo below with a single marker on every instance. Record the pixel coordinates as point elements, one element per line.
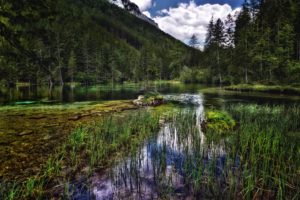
<point>160,168</point>
<point>77,93</point>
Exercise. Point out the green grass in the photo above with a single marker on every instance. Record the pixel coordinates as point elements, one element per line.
<point>276,89</point>
<point>219,121</point>
<point>261,162</point>
<point>93,146</point>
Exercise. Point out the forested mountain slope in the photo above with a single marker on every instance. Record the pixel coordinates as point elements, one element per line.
<point>87,41</point>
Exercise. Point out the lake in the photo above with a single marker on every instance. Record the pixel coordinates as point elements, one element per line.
<point>182,160</point>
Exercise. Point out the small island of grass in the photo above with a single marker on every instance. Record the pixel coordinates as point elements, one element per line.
<point>274,89</point>
<point>218,122</point>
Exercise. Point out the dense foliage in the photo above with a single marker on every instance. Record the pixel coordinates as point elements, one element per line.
<point>93,41</point>
<point>87,41</point>
<point>261,45</point>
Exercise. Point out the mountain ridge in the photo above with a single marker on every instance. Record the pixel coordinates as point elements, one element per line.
<point>133,9</point>
<point>85,41</point>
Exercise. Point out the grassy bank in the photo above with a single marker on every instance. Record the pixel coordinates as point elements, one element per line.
<point>275,89</point>
<point>90,147</point>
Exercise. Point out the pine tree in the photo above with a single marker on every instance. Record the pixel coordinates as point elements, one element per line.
<point>194,41</point>
<point>229,32</point>
<point>210,33</point>
<point>242,32</point>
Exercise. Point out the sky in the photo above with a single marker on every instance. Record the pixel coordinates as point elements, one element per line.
<point>183,18</point>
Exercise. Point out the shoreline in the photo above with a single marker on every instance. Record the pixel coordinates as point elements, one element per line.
<point>271,89</point>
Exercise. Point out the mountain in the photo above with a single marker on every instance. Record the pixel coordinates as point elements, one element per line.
<point>133,9</point>
<point>86,41</point>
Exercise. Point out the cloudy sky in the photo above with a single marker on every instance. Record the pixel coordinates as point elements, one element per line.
<point>183,18</point>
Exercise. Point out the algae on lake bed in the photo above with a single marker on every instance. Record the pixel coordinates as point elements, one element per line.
<point>87,148</point>
<point>28,134</point>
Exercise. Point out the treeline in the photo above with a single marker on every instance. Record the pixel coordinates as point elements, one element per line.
<point>86,41</point>
<point>260,44</point>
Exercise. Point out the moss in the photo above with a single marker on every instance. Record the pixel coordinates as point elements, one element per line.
<point>219,121</point>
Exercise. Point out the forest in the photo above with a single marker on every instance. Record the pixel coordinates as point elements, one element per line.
<point>86,41</point>
<point>93,41</point>
<point>262,44</point>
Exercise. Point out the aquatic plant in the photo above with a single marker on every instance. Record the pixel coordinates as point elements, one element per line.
<point>219,121</point>
<point>90,146</point>
<point>258,160</point>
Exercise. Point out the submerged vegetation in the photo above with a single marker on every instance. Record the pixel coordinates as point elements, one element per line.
<point>256,159</point>
<point>88,148</point>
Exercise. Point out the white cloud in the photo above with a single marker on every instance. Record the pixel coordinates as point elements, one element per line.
<point>117,2</point>
<point>147,13</point>
<point>188,19</point>
<point>143,4</point>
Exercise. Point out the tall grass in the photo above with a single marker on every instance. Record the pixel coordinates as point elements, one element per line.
<point>94,147</point>
<point>261,160</point>
<point>256,160</point>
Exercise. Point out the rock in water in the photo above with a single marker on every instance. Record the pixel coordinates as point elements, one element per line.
<point>149,101</point>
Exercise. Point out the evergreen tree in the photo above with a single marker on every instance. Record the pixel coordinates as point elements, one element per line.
<point>210,34</point>
<point>194,41</point>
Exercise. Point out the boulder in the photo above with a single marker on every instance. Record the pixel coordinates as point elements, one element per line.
<point>149,101</point>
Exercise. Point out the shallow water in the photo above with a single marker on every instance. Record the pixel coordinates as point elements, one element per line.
<point>160,164</point>
<point>31,118</point>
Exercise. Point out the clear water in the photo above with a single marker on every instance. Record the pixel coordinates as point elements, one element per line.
<point>145,173</point>
<point>138,176</point>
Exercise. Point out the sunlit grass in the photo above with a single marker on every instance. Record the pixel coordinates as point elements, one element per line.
<point>265,88</point>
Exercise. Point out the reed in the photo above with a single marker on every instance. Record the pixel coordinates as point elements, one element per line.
<point>92,146</point>
<point>256,159</point>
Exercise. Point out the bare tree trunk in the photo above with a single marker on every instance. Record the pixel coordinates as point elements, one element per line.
<point>59,60</point>
<point>298,49</point>
<point>261,64</point>
<point>246,64</point>
<point>61,77</point>
<point>112,76</point>
<point>219,69</point>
